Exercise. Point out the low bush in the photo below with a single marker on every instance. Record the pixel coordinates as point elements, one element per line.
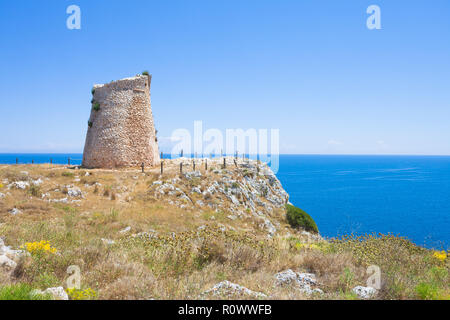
<point>67,174</point>
<point>35,190</point>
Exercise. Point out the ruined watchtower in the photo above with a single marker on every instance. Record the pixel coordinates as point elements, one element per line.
<point>121,132</point>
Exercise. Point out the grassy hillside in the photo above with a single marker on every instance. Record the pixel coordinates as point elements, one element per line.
<point>144,236</point>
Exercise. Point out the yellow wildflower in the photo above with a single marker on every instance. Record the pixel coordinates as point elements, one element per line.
<point>78,294</point>
<point>39,247</point>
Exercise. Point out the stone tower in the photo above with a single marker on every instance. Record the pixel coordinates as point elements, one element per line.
<point>121,132</point>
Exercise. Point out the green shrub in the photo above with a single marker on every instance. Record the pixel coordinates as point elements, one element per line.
<point>20,292</point>
<point>145,73</point>
<point>67,174</point>
<point>298,218</point>
<point>96,106</point>
<point>90,124</point>
<point>93,91</point>
<point>34,190</point>
<point>427,291</point>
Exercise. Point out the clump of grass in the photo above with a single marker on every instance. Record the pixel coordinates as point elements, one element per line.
<point>16,176</point>
<point>67,174</point>
<point>90,123</point>
<point>34,190</point>
<point>145,73</point>
<point>298,218</point>
<point>93,91</point>
<point>106,191</point>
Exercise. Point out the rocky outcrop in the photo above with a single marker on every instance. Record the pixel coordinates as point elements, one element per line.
<point>245,189</point>
<point>228,289</point>
<point>121,131</point>
<point>303,281</point>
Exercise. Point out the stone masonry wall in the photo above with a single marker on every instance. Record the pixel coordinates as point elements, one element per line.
<point>121,132</point>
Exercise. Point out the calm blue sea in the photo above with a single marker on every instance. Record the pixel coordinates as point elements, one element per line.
<point>405,195</point>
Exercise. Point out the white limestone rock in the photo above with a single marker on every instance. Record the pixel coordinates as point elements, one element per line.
<point>7,264</point>
<point>364,292</point>
<point>15,211</point>
<point>303,281</point>
<point>19,185</point>
<point>229,289</point>
<point>126,230</point>
<point>58,293</point>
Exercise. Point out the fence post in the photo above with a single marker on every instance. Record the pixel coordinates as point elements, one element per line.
<point>206,164</point>
<point>224,163</point>
<point>181,167</point>
<point>162,167</point>
<point>161,157</point>
<point>193,165</point>
<point>181,155</point>
<point>142,167</point>
<point>32,161</point>
<point>17,160</point>
<point>68,160</point>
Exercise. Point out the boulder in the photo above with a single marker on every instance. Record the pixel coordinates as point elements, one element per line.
<point>15,211</point>
<point>7,264</point>
<point>229,289</point>
<point>364,292</point>
<point>57,293</point>
<point>74,192</point>
<point>303,281</point>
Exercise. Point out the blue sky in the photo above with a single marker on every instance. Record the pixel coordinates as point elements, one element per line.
<point>309,68</point>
